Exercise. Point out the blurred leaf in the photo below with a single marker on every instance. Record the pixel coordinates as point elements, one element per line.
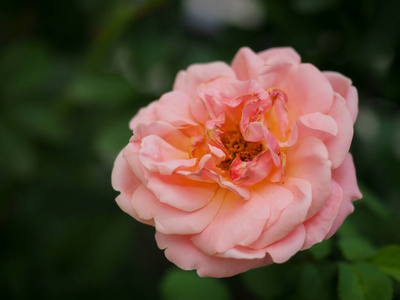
<point>113,138</point>
<point>313,6</point>
<point>270,282</point>
<point>370,200</point>
<point>17,154</point>
<point>39,121</point>
<point>95,88</point>
<point>24,68</point>
<point>363,281</point>
<point>178,284</point>
<point>310,276</point>
<point>388,260</point>
<point>321,250</point>
<point>355,248</point>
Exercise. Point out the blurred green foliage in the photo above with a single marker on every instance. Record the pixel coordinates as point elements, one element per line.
<point>73,73</point>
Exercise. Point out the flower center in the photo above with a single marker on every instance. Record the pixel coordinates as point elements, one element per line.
<point>236,146</point>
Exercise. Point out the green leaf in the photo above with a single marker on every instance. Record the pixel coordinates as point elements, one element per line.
<point>270,282</point>
<point>388,260</point>
<point>363,281</point>
<point>95,88</point>
<point>178,284</point>
<point>354,248</point>
<point>371,201</point>
<point>310,276</point>
<point>321,250</point>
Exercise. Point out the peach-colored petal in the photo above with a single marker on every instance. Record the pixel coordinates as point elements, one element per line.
<point>242,192</point>
<point>315,124</point>
<point>179,192</point>
<point>339,145</point>
<point>144,115</point>
<point>290,217</point>
<point>238,222</point>
<point>320,224</point>
<point>309,160</point>
<point>285,248</point>
<point>342,85</point>
<point>345,176</point>
<point>189,80</point>
<point>282,54</point>
<point>164,130</point>
<point>170,220</point>
<point>125,181</point>
<point>307,89</point>
<point>159,156</point>
<point>245,91</point>
<point>277,196</point>
<point>248,173</point>
<point>180,250</point>
<point>173,108</point>
<point>246,64</point>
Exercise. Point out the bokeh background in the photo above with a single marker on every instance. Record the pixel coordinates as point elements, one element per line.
<point>73,73</point>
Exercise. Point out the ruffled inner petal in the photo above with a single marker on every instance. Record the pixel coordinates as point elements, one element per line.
<point>159,156</point>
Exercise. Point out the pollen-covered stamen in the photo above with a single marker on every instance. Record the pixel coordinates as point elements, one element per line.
<point>237,146</point>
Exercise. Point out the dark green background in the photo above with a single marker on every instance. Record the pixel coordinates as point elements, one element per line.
<point>73,73</point>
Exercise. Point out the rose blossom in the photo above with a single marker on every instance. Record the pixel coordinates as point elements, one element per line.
<point>241,166</point>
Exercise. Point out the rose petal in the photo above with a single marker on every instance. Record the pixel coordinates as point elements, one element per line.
<point>280,54</point>
<point>159,156</point>
<point>238,222</point>
<point>170,220</point>
<point>345,176</point>
<point>181,193</point>
<point>342,85</point>
<point>308,160</point>
<point>314,124</point>
<point>189,80</point>
<point>144,115</point>
<point>285,248</point>
<point>307,89</point>
<point>339,145</point>
<point>180,250</point>
<point>294,214</point>
<point>320,224</point>
<point>246,64</point>
<point>173,108</point>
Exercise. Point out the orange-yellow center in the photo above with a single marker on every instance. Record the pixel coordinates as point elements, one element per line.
<point>236,146</point>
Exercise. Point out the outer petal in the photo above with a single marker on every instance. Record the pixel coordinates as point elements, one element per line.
<point>306,87</point>
<point>145,115</point>
<point>181,193</point>
<point>189,81</point>
<point>319,225</point>
<point>285,248</point>
<point>339,145</point>
<point>294,214</point>
<point>246,64</point>
<point>308,160</point>
<point>173,107</point>
<point>342,85</point>
<point>125,181</point>
<point>238,223</point>
<point>180,250</point>
<point>345,176</point>
<point>170,220</point>
<point>283,54</point>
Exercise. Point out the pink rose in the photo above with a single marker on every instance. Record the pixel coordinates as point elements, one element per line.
<point>241,166</point>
